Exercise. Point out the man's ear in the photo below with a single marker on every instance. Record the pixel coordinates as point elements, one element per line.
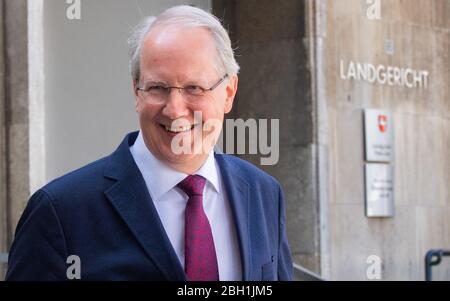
<point>136,97</point>
<point>135,91</point>
<point>231,90</point>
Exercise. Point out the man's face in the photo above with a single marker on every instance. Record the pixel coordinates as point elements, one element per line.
<point>181,57</point>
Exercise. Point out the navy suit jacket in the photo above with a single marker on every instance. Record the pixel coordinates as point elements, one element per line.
<point>103,214</point>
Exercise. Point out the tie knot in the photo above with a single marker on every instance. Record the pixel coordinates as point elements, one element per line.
<point>193,185</point>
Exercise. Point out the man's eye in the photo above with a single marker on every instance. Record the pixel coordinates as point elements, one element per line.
<point>195,90</point>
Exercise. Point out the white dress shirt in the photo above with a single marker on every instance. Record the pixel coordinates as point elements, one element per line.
<point>170,202</point>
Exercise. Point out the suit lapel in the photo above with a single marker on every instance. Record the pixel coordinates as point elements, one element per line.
<point>130,198</point>
<point>238,195</point>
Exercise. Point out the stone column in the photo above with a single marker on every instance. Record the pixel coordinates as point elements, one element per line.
<point>15,123</point>
<point>3,219</point>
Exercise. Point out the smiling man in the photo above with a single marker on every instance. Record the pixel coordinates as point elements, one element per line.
<point>150,211</point>
<point>186,57</point>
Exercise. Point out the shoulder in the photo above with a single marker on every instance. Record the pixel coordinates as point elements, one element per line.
<point>79,184</point>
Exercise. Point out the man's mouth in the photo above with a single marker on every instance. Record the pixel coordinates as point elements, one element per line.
<point>179,129</point>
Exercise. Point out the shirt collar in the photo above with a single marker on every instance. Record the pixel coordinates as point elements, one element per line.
<point>160,178</point>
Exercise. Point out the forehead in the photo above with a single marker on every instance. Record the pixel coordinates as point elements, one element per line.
<point>183,51</point>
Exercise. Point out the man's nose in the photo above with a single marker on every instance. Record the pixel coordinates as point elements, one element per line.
<point>175,106</point>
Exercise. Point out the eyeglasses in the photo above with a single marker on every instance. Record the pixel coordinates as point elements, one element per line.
<point>158,93</point>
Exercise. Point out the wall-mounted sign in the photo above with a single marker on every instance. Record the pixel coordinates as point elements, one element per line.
<point>384,75</point>
<point>379,190</point>
<point>379,155</point>
<point>379,136</point>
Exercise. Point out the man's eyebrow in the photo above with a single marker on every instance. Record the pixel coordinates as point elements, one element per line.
<point>154,82</point>
<point>194,83</point>
<point>197,82</point>
<point>187,83</point>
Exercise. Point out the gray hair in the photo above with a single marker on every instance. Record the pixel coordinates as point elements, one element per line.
<point>186,16</point>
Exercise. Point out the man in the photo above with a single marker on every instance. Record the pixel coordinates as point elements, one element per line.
<point>163,206</point>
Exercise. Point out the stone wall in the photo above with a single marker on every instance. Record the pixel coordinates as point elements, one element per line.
<point>290,54</point>
<point>3,220</point>
<point>419,32</point>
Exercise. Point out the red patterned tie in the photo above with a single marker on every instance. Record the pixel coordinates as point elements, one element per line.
<point>200,261</point>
